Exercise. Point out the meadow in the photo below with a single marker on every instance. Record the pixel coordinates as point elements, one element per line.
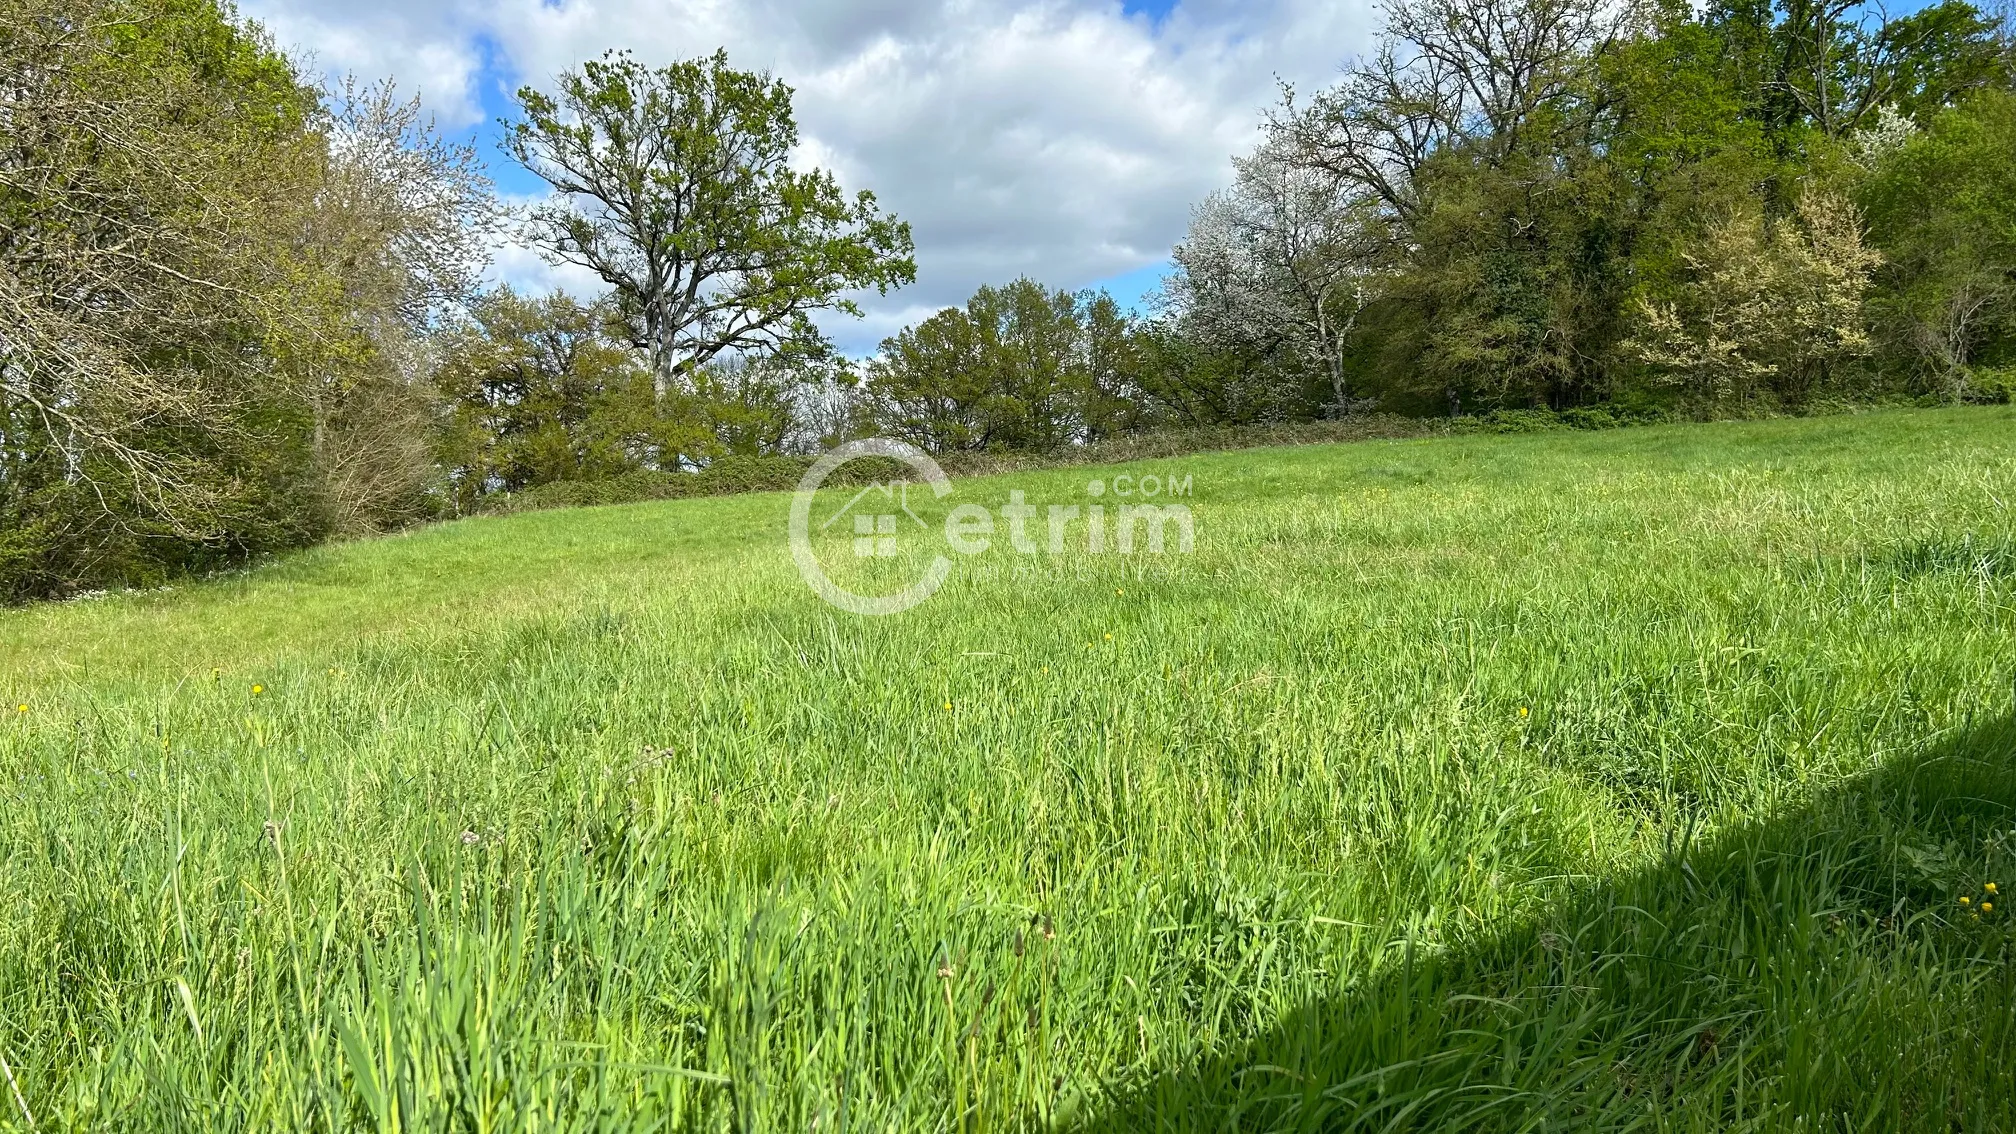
<point>1618,780</point>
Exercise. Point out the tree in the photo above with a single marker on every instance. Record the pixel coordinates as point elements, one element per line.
<point>1178,380</point>
<point>213,291</point>
<point>398,229</point>
<point>1459,155</point>
<point>1486,75</point>
<point>676,187</point>
<point>537,390</point>
<point>151,147</point>
<point>1942,206</point>
<point>1831,66</point>
<point>1019,367</point>
<point>1282,263</point>
<point>1110,394</point>
<point>1771,308</point>
<point>759,407</point>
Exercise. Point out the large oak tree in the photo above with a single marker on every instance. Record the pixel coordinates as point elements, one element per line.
<point>677,187</point>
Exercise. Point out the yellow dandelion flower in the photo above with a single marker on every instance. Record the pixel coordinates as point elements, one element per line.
<point>258,689</point>
<point>1109,637</point>
<point>948,706</point>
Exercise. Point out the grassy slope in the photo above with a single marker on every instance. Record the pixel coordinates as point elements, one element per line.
<point>597,819</point>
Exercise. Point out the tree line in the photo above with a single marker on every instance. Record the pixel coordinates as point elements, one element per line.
<point>244,313</point>
<point>1745,207</point>
<point>216,287</point>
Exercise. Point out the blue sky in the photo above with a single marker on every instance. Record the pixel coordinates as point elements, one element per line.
<point>1155,10</point>
<point>1065,140</point>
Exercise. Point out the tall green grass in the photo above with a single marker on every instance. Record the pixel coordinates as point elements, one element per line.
<point>1618,781</point>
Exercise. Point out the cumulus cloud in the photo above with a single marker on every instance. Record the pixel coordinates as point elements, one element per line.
<point>1061,139</point>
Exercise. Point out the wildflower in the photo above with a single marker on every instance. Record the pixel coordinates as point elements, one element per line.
<point>1987,907</point>
<point>258,689</point>
<point>1990,887</point>
<point>1522,710</point>
<point>1964,899</point>
<point>1109,637</point>
<point>471,838</point>
<point>20,708</point>
<point>1119,592</point>
<point>1046,669</point>
<point>948,706</point>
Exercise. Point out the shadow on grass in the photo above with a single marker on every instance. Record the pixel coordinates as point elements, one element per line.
<point>1812,971</point>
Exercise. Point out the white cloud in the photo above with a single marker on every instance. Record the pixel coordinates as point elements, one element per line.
<point>529,272</point>
<point>1063,139</point>
<point>428,46</point>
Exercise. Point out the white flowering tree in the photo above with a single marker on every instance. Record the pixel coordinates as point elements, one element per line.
<point>1280,264</point>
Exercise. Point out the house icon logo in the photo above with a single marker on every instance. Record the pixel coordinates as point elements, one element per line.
<point>879,513</point>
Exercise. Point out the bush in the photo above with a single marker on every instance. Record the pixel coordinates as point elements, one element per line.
<point>724,477</point>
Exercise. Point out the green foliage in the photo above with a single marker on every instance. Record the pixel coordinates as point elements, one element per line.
<point>1530,178</point>
<point>540,390</point>
<point>1541,421</point>
<point>724,476</point>
<point>1516,287</point>
<point>545,394</point>
<point>147,426</point>
<point>212,287</point>
<point>1771,309</point>
<point>1942,55</point>
<point>1179,382</point>
<point>1019,367</point>
<point>1942,207</point>
<point>204,44</point>
<point>756,407</point>
<point>676,187</point>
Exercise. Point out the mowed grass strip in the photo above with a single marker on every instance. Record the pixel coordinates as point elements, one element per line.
<point>1605,780</point>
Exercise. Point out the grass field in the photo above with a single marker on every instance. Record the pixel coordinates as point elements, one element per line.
<point>1559,781</point>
